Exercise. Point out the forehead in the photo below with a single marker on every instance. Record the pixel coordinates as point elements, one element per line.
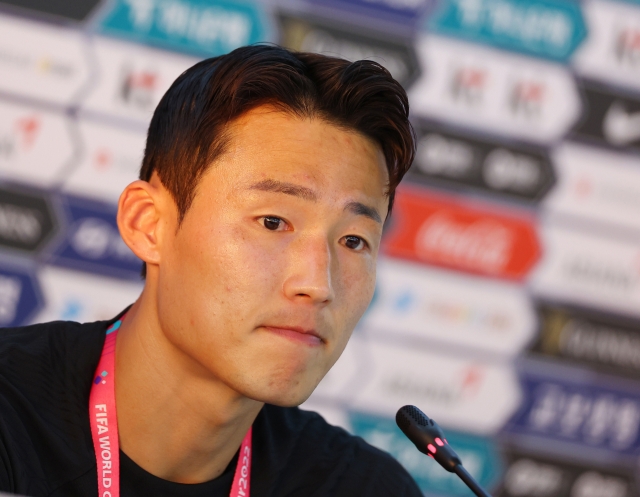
<point>269,144</point>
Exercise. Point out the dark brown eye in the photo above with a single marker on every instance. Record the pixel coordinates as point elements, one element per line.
<point>354,242</point>
<point>272,223</point>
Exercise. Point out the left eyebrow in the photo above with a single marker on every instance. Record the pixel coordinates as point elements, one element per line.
<point>360,209</point>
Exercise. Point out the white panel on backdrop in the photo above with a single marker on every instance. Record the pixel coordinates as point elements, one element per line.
<point>494,91</point>
<point>449,307</point>
<point>473,396</point>
<point>41,61</point>
<point>110,160</point>
<point>349,371</point>
<point>588,269</point>
<point>596,184</point>
<point>611,52</point>
<point>75,296</point>
<point>132,79</point>
<point>35,145</point>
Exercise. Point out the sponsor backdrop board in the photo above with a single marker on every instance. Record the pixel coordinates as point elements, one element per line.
<point>508,295</point>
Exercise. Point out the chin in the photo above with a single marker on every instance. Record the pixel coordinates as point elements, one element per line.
<point>282,395</point>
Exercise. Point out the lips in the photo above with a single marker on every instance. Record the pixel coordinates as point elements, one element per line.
<point>296,333</point>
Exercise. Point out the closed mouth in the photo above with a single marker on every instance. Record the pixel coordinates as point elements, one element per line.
<point>307,335</point>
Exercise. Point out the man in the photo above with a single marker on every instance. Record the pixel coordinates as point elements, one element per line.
<point>266,180</point>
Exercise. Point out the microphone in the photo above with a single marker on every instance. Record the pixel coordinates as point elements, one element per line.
<point>429,439</point>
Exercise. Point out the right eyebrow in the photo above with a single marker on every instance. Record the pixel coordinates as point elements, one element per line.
<point>272,185</point>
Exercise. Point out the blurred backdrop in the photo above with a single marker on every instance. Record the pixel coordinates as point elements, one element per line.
<point>508,296</point>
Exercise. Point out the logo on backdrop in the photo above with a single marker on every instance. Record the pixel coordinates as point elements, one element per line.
<point>551,29</point>
<point>612,50</point>
<point>530,475</point>
<point>596,184</point>
<point>519,172</point>
<point>41,61</point>
<point>588,270</point>
<point>92,243</point>
<point>139,87</point>
<point>26,220</point>
<point>29,139</point>
<point>203,27</point>
<point>452,308</point>
<point>609,118</point>
<point>468,85</point>
<point>314,35</point>
<point>110,160</point>
<point>580,414</point>
<point>594,340</point>
<point>134,78</point>
<point>470,395</point>
<point>493,91</point>
<point>627,46</point>
<point>435,229</point>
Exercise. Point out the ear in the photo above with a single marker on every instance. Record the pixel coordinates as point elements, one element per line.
<point>140,211</point>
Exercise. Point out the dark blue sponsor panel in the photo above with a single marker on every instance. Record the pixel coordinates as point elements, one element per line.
<point>587,416</point>
<point>609,117</point>
<point>459,160</point>
<point>27,221</point>
<point>595,340</point>
<point>404,11</point>
<point>319,35</point>
<point>92,241</point>
<point>533,475</point>
<point>78,10</point>
<point>20,295</point>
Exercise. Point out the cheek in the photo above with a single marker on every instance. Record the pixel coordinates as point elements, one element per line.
<point>226,272</point>
<point>357,285</point>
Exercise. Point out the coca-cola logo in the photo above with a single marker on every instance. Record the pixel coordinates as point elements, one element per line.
<point>438,229</point>
<point>482,244</point>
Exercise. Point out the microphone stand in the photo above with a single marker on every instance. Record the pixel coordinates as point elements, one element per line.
<point>464,475</point>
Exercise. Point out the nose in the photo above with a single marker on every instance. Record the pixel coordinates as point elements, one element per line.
<point>310,271</point>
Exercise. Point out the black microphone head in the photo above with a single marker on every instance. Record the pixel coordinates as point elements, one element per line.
<point>427,436</point>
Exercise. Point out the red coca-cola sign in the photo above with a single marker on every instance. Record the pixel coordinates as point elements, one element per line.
<point>438,230</point>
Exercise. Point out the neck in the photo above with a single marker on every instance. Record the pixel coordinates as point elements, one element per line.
<point>175,420</point>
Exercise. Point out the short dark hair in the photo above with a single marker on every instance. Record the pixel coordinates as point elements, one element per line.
<point>187,131</point>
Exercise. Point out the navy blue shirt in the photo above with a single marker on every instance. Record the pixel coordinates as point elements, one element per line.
<point>46,447</point>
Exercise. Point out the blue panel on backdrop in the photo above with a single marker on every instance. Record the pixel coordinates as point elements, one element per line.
<point>478,454</point>
<point>551,29</point>
<point>20,296</point>
<point>202,27</point>
<point>580,414</point>
<point>92,242</point>
<point>407,11</point>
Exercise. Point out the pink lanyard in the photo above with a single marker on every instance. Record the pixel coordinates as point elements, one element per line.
<point>104,428</point>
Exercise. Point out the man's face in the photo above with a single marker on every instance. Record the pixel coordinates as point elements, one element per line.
<point>274,262</point>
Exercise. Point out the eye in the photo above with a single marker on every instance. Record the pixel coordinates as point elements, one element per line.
<point>274,223</point>
<point>355,242</point>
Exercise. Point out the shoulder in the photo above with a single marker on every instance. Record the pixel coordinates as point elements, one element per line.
<point>48,367</point>
<point>30,350</point>
<point>322,459</point>
<point>45,377</point>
